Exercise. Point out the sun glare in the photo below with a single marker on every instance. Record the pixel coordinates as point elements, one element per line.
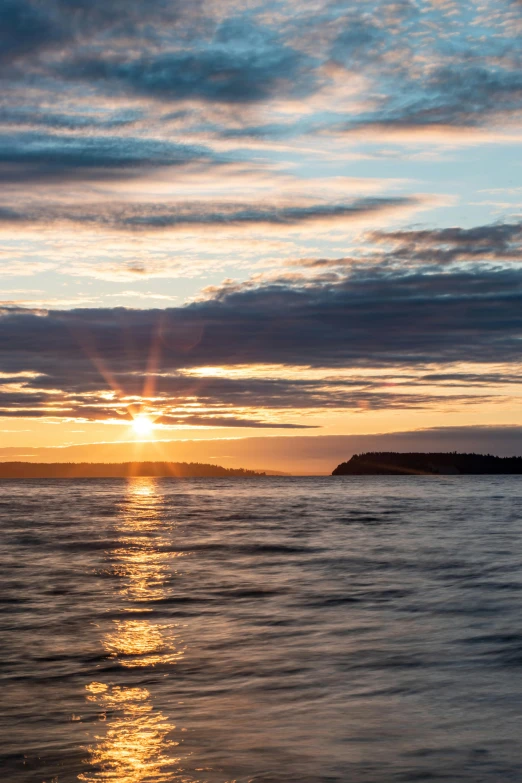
<point>142,425</point>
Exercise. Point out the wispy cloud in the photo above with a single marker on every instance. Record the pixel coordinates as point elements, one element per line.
<point>33,157</point>
<point>209,214</point>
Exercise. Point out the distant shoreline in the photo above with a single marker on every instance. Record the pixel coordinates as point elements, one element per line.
<point>78,470</point>
<point>389,463</point>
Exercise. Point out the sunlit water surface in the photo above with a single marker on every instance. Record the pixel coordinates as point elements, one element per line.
<point>271,630</point>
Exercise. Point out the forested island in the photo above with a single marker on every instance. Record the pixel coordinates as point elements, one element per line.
<point>16,470</point>
<point>390,463</point>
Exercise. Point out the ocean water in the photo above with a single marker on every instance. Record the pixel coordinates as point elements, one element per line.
<point>278,630</point>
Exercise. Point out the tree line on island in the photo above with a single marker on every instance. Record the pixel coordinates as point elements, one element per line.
<point>121,470</point>
<point>390,463</point>
<point>377,463</point>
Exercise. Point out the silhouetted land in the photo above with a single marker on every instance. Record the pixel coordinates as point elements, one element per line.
<point>389,463</point>
<point>120,470</point>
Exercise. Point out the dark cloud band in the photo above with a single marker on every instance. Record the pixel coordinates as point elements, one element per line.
<point>207,214</point>
<point>28,157</point>
<point>376,319</point>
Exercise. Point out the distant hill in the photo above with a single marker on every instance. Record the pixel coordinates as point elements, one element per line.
<point>390,463</point>
<point>17,470</point>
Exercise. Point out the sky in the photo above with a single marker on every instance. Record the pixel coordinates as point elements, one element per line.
<point>238,220</point>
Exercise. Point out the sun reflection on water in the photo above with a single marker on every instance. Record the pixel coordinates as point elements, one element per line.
<point>135,746</point>
<point>141,643</point>
<point>144,558</point>
<point>144,572</point>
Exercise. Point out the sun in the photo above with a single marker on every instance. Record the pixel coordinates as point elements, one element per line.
<point>142,425</point>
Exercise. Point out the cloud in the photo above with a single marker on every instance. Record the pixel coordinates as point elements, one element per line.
<point>498,243</point>
<point>458,95</point>
<point>25,27</point>
<point>493,242</point>
<point>442,72</point>
<point>117,13</point>
<point>234,115</point>
<point>207,214</point>
<point>396,320</point>
<point>225,400</point>
<point>228,421</point>
<point>27,402</point>
<point>243,63</point>
<point>361,39</point>
<point>364,318</point>
<point>221,54</point>
<point>276,215</point>
<point>34,116</point>
<point>30,28</point>
<point>33,157</point>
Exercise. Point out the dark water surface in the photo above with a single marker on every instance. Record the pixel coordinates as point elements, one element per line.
<point>271,630</point>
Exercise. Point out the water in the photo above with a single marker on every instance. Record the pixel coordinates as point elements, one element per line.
<point>275,630</point>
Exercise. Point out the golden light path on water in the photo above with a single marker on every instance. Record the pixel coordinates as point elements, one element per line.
<point>137,744</point>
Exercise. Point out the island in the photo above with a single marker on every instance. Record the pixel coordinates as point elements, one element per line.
<point>390,463</point>
<point>77,470</point>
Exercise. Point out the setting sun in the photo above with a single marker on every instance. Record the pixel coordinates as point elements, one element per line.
<point>142,425</point>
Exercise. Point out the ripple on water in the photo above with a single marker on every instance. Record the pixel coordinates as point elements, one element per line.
<point>283,631</point>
